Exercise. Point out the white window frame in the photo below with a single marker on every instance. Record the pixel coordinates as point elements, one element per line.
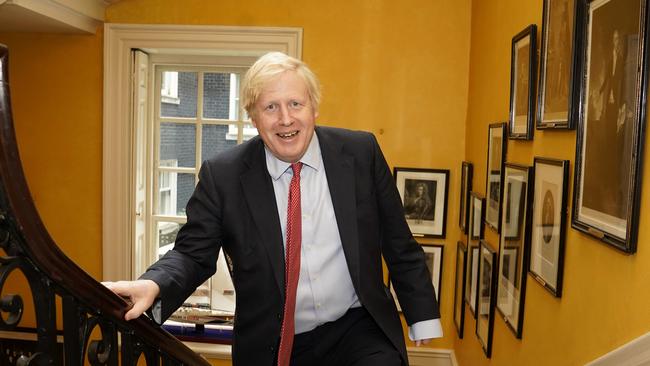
<point>118,147</point>
<point>169,89</point>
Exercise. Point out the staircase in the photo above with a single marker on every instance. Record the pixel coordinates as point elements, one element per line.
<point>94,331</point>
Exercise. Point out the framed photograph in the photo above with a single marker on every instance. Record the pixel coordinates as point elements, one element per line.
<point>514,246</point>
<point>611,126</point>
<point>523,69</point>
<point>465,188</point>
<point>459,289</point>
<point>549,223</point>
<point>486,296</point>
<point>557,89</point>
<point>496,156</point>
<point>476,218</point>
<point>424,196</point>
<point>471,278</point>
<point>433,257</point>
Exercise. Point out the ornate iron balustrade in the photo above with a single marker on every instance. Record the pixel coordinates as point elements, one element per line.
<point>87,306</point>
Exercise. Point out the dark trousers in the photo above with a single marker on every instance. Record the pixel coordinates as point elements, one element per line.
<point>355,339</point>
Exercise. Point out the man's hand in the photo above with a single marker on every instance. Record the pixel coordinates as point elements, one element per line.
<point>422,342</point>
<point>141,293</point>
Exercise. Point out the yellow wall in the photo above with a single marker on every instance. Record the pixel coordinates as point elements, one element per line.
<point>398,69</point>
<point>605,293</point>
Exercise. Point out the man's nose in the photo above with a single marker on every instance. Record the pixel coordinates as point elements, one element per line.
<point>285,116</point>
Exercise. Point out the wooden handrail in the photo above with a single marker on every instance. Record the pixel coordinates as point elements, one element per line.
<point>27,242</point>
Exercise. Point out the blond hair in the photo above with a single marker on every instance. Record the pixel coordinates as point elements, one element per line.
<point>268,67</point>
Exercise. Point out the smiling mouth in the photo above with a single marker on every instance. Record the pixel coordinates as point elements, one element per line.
<point>287,135</point>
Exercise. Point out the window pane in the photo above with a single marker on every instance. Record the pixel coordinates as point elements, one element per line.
<point>177,143</point>
<point>179,100</point>
<point>174,190</point>
<point>249,131</point>
<point>217,138</point>
<point>220,96</point>
<point>167,232</point>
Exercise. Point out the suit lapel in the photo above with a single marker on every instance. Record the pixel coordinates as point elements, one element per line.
<point>258,190</point>
<point>339,168</point>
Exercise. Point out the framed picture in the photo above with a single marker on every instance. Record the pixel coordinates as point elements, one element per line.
<point>523,68</point>
<point>557,89</point>
<point>496,156</point>
<point>465,188</point>
<point>476,217</point>
<point>424,196</point>
<point>433,257</point>
<point>459,289</point>
<point>611,125</point>
<point>471,278</point>
<point>549,222</point>
<point>486,296</point>
<point>514,246</point>
<point>475,234</point>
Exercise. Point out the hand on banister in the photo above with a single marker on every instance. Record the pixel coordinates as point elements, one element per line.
<point>141,293</point>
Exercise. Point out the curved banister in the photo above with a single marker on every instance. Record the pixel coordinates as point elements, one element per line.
<point>22,233</point>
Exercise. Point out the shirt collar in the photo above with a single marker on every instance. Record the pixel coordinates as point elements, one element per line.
<point>311,158</point>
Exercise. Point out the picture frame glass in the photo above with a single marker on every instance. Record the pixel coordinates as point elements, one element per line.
<point>511,277</point>
<point>459,289</point>
<point>496,152</point>
<point>611,116</point>
<point>556,64</point>
<point>521,92</point>
<point>465,188</point>
<point>471,278</point>
<point>485,309</point>
<point>424,197</point>
<point>549,206</point>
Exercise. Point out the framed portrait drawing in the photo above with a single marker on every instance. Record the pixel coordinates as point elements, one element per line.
<point>486,296</point>
<point>496,156</point>
<point>557,90</point>
<point>465,188</point>
<point>433,257</point>
<point>424,196</point>
<point>459,288</point>
<point>614,77</point>
<point>474,235</point>
<point>471,278</point>
<point>549,222</point>
<point>513,246</point>
<point>523,69</point>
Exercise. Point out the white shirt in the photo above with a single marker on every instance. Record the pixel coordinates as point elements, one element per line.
<point>325,291</point>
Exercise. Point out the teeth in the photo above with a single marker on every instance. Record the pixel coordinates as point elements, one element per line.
<point>286,135</point>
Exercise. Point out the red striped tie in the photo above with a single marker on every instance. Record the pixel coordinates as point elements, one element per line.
<point>292,266</point>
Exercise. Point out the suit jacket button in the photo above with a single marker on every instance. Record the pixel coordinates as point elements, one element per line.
<point>272,349</point>
<point>279,316</point>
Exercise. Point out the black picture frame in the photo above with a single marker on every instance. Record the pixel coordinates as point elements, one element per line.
<point>474,235</point>
<point>558,90</point>
<point>434,258</point>
<point>611,125</point>
<point>496,156</point>
<point>424,196</point>
<point>548,228</point>
<point>523,68</point>
<point>514,250</point>
<point>465,188</point>
<point>459,288</point>
<point>486,296</point>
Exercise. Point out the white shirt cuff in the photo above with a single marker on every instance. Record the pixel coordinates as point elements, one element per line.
<point>425,329</point>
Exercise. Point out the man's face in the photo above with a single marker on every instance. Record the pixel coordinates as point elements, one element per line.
<point>284,116</point>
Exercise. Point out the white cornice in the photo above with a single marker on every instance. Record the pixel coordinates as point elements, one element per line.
<point>52,16</point>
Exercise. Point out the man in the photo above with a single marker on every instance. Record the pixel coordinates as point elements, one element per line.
<point>326,198</point>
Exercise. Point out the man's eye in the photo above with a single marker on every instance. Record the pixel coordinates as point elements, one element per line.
<point>270,107</point>
<point>295,104</point>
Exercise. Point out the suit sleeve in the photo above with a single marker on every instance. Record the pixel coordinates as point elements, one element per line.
<point>193,259</point>
<point>403,255</point>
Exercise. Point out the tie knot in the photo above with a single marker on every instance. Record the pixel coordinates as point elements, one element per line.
<point>296,167</point>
